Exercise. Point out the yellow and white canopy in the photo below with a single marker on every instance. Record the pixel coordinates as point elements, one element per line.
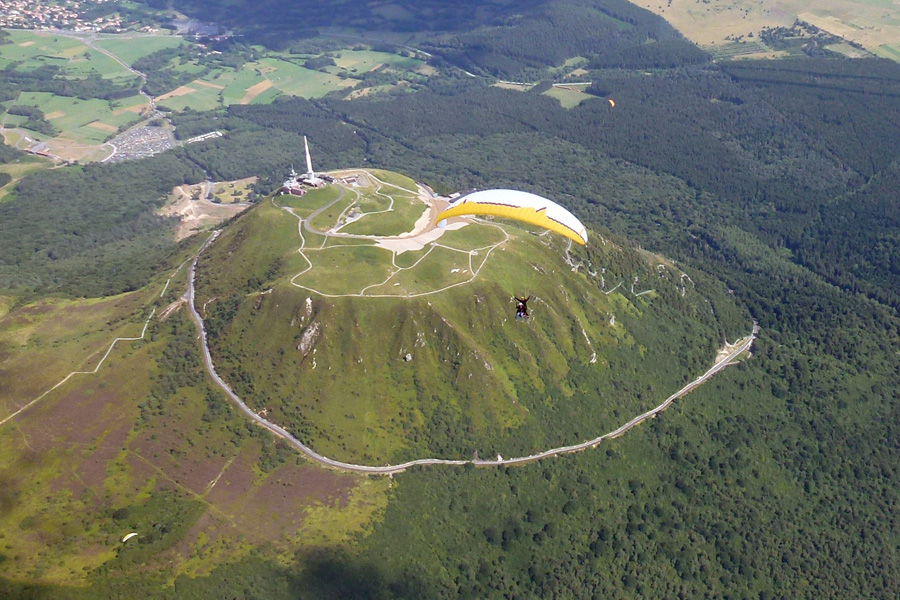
<point>521,206</point>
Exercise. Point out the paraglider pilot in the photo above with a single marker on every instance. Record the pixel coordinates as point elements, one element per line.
<point>522,307</point>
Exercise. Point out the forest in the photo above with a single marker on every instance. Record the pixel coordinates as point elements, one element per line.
<point>778,479</point>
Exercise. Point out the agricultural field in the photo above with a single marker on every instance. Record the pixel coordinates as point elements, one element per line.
<point>872,23</point>
<point>194,96</point>
<point>130,48</point>
<point>30,50</point>
<point>569,97</point>
<point>357,62</point>
<point>295,80</point>
<point>276,74</point>
<point>85,121</point>
<point>891,51</point>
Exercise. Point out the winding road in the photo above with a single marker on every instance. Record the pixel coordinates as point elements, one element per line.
<point>723,362</point>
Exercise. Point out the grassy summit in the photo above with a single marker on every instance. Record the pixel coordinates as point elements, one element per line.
<point>373,351</point>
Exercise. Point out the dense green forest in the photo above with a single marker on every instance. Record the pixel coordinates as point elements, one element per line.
<point>89,231</point>
<point>777,479</point>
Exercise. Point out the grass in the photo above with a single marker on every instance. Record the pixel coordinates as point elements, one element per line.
<point>295,80</point>
<point>238,84</point>
<point>34,49</point>
<point>404,211</point>
<point>568,98</point>
<point>396,179</point>
<point>354,396</point>
<point>736,49</point>
<point>328,218</point>
<point>200,98</point>
<point>363,61</point>
<point>19,169</point>
<point>345,269</point>
<point>98,458</point>
<point>891,51</point>
<point>51,338</point>
<point>132,48</point>
<point>229,192</point>
<point>85,121</point>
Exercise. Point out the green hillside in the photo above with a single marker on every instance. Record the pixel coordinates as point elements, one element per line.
<point>372,356</point>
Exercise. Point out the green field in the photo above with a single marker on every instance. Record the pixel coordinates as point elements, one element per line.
<point>236,83</point>
<point>86,121</point>
<point>232,87</point>
<point>32,49</point>
<point>144,445</point>
<point>201,98</point>
<point>130,48</point>
<point>385,210</point>
<point>891,51</point>
<point>363,61</point>
<point>298,81</point>
<point>731,50</point>
<point>568,98</point>
<point>18,169</point>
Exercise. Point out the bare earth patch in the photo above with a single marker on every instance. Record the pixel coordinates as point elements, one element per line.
<point>181,91</point>
<point>255,90</point>
<point>68,149</point>
<point>103,126</point>
<point>137,109</point>
<point>55,114</point>
<point>197,215</point>
<point>208,84</point>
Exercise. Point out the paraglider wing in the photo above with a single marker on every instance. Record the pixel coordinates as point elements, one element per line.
<point>612,103</point>
<point>521,206</point>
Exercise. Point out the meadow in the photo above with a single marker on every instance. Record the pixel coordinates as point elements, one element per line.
<point>29,50</point>
<point>872,23</point>
<point>130,48</point>
<point>568,97</point>
<point>85,121</point>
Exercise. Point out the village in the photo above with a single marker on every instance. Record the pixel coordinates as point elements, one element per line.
<point>70,15</point>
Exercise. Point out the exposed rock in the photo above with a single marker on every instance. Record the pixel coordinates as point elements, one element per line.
<point>308,339</point>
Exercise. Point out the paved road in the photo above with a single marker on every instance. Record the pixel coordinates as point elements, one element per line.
<point>391,469</point>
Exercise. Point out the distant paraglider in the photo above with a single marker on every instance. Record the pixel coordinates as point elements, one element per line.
<point>521,206</point>
<point>612,103</point>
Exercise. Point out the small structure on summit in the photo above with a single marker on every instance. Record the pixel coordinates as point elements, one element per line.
<point>296,183</point>
<point>292,185</point>
<point>310,178</point>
